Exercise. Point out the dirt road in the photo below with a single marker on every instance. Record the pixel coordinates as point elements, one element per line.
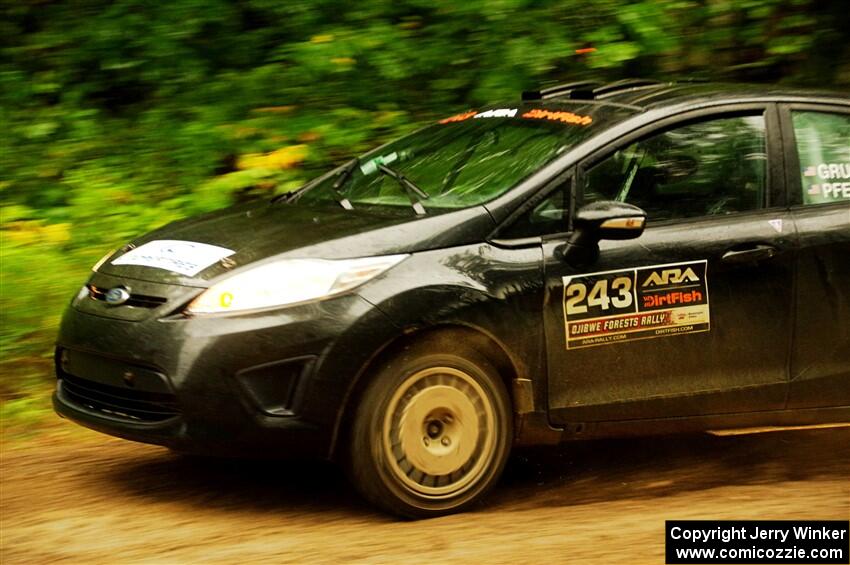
<point>94,499</point>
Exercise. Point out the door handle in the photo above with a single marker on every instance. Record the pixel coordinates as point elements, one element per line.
<point>749,255</point>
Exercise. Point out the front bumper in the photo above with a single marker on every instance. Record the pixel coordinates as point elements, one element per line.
<point>288,438</point>
<point>269,383</point>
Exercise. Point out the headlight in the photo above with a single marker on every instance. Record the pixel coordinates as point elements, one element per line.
<point>289,281</point>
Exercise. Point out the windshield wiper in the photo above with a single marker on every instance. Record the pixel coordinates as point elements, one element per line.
<point>342,176</point>
<point>416,194</point>
<point>340,180</point>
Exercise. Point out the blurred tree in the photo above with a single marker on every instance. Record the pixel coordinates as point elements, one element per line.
<point>120,115</point>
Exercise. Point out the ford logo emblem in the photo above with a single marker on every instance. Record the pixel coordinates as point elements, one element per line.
<point>116,296</point>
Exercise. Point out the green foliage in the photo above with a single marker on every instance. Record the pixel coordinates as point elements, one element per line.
<point>119,116</point>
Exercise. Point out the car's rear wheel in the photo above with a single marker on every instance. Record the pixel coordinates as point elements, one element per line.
<point>432,431</point>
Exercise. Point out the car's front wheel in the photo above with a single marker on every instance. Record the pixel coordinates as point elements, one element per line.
<point>432,431</point>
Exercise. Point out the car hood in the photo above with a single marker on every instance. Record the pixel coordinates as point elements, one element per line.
<point>261,230</point>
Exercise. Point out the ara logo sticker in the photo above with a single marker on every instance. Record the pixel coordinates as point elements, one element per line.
<point>498,113</point>
<point>670,276</point>
<point>776,224</point>
<point>614,306</point>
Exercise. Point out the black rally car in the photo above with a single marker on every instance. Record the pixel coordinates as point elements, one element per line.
<point>593,260</point>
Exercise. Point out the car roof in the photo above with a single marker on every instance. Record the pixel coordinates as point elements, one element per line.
<point>643,95</point>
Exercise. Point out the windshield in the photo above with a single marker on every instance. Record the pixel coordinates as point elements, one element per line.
<point>458,162</point>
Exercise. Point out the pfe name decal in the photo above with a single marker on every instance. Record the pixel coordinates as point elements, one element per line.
<point>614,306</point>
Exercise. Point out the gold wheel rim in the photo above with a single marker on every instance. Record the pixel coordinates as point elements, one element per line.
<point>439,432</point>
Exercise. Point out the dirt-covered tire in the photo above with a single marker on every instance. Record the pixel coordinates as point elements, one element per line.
<point>432,430</point>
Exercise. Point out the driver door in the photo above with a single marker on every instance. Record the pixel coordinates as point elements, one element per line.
<point>693,317</point>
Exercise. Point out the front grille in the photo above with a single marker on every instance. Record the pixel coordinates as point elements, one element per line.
<point>127,404</point>
<point>137,300</point>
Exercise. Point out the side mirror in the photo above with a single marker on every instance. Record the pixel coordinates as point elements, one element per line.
<point>602,220</point>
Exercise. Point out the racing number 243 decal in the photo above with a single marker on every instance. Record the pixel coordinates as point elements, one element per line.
<point>640,303</point>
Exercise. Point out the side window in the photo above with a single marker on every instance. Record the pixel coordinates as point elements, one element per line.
<point>823,145</point>
<point>700,169</point>
<point>547,217</point>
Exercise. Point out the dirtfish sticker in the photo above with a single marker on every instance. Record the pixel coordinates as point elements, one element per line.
<point>645,302</point>
<point>185,257</point>
<point>558,116</point>
<point>830,181</point>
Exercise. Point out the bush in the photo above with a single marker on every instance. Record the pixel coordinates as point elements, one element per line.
<point>119,116</point>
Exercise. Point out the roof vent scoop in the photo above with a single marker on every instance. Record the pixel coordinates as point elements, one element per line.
<point>588,89</point>
<point>580,90</point>
<point>624,84</point>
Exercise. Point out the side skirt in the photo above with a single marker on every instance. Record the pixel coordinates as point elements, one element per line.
<point>536,430</point>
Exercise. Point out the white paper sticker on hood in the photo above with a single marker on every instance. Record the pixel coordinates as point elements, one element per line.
<point>184,257</point>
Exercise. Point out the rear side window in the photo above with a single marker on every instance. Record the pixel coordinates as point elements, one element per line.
<point>705,168</point>
<point>823,145</point>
